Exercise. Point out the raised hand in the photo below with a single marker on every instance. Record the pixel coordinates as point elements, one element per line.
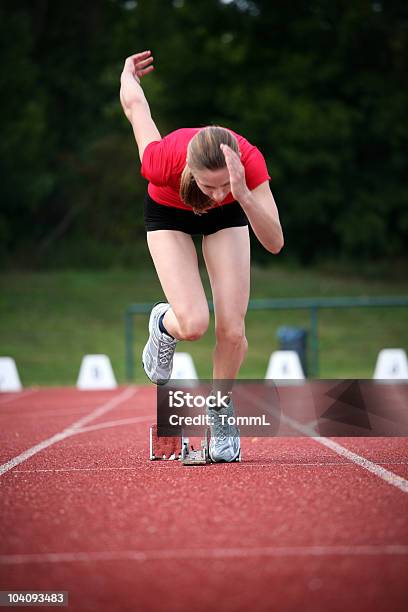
<point>239,189</point>
<point>136,66</point>
<point>140,64</point>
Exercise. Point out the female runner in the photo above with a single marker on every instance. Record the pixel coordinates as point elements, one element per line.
<point>212,182</point>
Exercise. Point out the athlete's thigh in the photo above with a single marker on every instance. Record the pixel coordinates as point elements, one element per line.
<point>227,257</point>
<point>175,259</point>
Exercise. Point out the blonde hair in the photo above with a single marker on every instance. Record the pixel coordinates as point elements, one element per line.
<point>204,153</point>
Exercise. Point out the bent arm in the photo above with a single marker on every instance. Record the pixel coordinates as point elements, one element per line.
<point>258,203</point>
<point>133,100</point>
<point>262,212</point>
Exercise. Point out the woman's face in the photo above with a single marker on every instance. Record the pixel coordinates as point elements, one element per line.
<point>214,183</point>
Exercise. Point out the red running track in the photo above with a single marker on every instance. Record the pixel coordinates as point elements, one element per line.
<point>295,526</point>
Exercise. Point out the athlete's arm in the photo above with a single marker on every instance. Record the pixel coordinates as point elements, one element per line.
<point>258,204</point>
<point>260,208</point>
<point>134,103</point>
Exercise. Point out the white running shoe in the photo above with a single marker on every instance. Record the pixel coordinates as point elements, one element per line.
<point>157,357</point>
<point>225,443</point>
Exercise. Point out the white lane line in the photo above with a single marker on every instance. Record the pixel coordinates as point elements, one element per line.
<point>168,464</point>
<point>17,396</point>
<point>46,413</point>
<point>313,424</point>
<point>393,479</point>
<point>86,469</point>
<point>107,424</point>
<point>207,553</point>
<point>247,464</point>
<point>321,464</point>
<point>69,431</point>
<point>389,477</point>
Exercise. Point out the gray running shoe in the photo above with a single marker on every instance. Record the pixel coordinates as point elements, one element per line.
<point>225,441</point>
<point>157,357</point>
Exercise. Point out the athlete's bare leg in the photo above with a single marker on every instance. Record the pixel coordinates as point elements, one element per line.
<point>227,257</point>
<point>175,259</point>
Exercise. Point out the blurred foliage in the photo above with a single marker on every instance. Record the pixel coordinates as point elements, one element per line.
<point>320,86</point>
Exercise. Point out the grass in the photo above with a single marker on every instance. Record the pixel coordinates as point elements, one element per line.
<point>49,320</point>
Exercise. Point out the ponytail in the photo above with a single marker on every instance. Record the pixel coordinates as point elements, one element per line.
<point>191,194</point>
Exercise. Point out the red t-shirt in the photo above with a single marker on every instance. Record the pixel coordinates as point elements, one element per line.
<point>164,161</point>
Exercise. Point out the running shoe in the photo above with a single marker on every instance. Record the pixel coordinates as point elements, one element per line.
<point>157,357</point>
<point>225,441</point>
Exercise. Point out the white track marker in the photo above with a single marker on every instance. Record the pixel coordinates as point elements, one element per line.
<point>184,369</point>
<point>207,553</point>
<point>96,373</point>
<point>9,378</point>
<point>69,431</point>
<point>374,468</point>
<point>392,364</point>
<point>285,366</point>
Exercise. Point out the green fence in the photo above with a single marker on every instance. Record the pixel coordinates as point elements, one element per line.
<point>313,305</point>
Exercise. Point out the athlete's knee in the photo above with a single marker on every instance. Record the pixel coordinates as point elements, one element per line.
<point>233,334</point>
<point>193,325</point>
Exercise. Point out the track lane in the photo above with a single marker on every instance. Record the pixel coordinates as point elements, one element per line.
<point>291,495</point>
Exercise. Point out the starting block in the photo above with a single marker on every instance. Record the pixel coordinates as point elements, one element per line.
<point>190,456</point>
<point>171,448</point>
<point>181,448</point>
<point>165,448</point>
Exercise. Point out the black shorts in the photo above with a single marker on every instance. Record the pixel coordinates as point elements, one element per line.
<point>158,217</point>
